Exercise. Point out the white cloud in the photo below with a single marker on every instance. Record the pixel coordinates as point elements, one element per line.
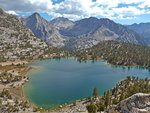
<point>128,11</point>
<point>75,9</point>
<point>105,8</point>
<point>145,5</point>
<point>122,17</point>
<point>11,12</point>
<point>26,5</point>
<point>42,4</point>
<point>131,1</point>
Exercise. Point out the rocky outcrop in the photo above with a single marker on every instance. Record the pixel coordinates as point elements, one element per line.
<point>17,41</point>
<point>138,103</point>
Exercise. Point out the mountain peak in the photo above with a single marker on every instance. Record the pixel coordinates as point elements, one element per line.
<point>90,19</point>
<point>60,19</point>
<point>35,17</point>
<point>42,29</point>
<point>61,23</point>
<point>94,18</point>
<point>36,14</point>
<point>106,20</point>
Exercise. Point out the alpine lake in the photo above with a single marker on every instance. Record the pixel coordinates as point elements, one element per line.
<point>61,81</point>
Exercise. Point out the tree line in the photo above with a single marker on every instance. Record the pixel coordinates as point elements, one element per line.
<point>117,53</point>
<point>123,90</point>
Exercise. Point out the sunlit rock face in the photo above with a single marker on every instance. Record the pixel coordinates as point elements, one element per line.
<point>138,103</point>
<point>43,30</point>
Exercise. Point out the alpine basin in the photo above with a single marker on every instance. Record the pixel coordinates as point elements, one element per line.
<point>58,81</point>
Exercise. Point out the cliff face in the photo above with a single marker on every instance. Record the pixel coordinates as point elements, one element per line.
<point>43,30</point>
<point>138,103</point>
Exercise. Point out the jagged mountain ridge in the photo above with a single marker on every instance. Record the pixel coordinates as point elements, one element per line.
<point>90,31</point>
<point>85,33</point>
<point>143,29</point>
<point>81,27</point>
<point>42,29</point>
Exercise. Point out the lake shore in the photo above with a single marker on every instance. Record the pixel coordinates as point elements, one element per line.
<point>68,107</point>
<point>17,69</point>
<point>20,93</point>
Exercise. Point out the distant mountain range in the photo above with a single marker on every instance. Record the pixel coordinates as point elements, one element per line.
<point>62,32</point>
<point>143,29</point>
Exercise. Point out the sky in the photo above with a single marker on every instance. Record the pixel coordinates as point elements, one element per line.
<point>120,11</point>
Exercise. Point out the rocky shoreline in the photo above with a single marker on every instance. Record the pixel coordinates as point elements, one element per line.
<point>13,77</point>
<point>11,94</point>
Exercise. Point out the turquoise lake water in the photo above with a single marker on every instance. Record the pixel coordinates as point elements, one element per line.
<point>54,82</point>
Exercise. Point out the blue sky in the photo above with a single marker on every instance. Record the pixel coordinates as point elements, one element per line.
<point>121,11</point>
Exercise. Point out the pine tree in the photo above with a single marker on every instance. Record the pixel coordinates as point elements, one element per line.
<point>91,108</point>
<point>95,92</point>
<point>107,99</point>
